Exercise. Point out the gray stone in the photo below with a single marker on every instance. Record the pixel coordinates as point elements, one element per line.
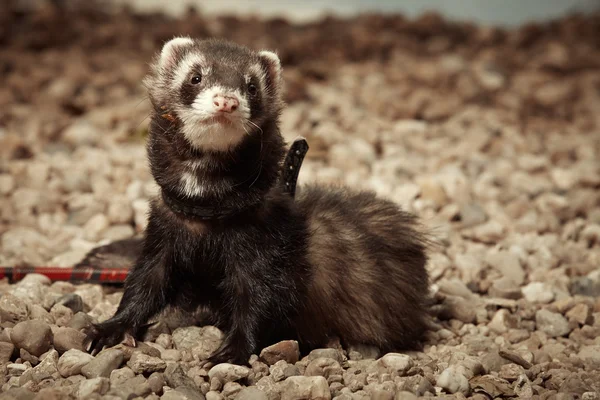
<point>62,315</point>
<point>251,393</point>
<point>226,372</point>
<point>156,381</point>
<point>47,368</point>
<point>453,380</point>
<point>121,375</point>
<point>396,364</point>
<point>460,308</point>
<point>209,341</point>
<point>6,352</point>
<point>231,389</point>
<point>66,338</point>
<point>99,385</point>
<point>326,353</point>
<point>103,364</point>
<point>33,336</point>
<point>286,350</point>
<point>18,393</point>
<point>305,387</point>
<point>141,363</point>
<point>508,264</point>
<point>538,292</point>
<point>551,323</point>
<point>165,340</point>
<point>27,356</point>
<point>71,362</point>
<point>15,369</point>
<point>183,393</point>
<point>176,377</point>
<point>323,367</point>
<point>12,308</point>
<point>81,321</point>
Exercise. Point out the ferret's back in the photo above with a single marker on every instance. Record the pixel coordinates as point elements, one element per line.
<point>369,282</point>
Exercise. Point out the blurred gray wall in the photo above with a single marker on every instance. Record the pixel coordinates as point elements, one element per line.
<point>493,12</point>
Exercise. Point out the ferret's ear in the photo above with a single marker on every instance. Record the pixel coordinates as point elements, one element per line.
<point>272,64</point>
<point>168,55</point>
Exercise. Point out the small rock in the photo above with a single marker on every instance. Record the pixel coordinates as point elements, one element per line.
<point>81,321</point>
<point>7,184</point>
<point>228,372</point>
<point>68,338</point>
<point>72,301</point>
<point>213,395</point>
<point>323,367</point>
<point>363,352</point>
<point>6,352</point>
<point>231,389</point>
<point>47,368</point>
<point>190,337</point>
<point>176,377</point>
<point>165,340</point>
<point>538,292</point>
<point>396,364</point>
<point>502,321</point>
<point>183,393</point>
<point>33,336</point>
<point>286,350</point>
<point>551,323</point>
<point>489,232</point>
<point>26,356</point>
<point>102,365</point>
<point>460,309</point>
<point>523,387</point>
<point>472,214</point>
<point>71,362</point>
<point>18,393</point>
<point>326,353</point>
<point>12,309</point>
<point>580,313</point>
<point>251,393</point>
<point>14,369</point>
<point>142,363</point>
<point>453,380</point>
<point>156,381</point>
<point>590,353</point>
<point>305,387</point>
<point>508,264</point>
<point>99,385</point>
<point>511,372</point>
<point>121,375</point>
<point>81,133</point>
<point>171,355</point>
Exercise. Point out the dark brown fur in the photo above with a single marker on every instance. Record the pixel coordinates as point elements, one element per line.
<point>332,263</point>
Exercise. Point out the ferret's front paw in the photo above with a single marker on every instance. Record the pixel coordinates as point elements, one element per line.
<point>229,354</point>
<point>103,335</point>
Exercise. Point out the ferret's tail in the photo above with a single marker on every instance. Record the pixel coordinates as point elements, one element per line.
<point>118,254</point>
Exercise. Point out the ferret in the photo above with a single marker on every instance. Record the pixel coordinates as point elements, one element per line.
<point>223,234</point>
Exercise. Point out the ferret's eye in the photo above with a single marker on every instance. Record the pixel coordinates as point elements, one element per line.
<point>196,79</point>
<point>252,90</point>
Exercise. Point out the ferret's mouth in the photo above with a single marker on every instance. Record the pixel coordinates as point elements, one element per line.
<point>218,119</point>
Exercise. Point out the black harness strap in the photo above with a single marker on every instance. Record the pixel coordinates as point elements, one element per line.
<point>292,165</point>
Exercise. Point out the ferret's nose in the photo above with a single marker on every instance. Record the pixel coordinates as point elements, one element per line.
<point>225,103</point>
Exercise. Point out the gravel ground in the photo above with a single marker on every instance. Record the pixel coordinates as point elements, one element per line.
<point>491,136</point>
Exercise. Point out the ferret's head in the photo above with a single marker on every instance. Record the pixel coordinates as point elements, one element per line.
<point>219,91</point>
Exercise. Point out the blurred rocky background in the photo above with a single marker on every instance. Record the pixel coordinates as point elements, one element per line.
<point>490,134</point>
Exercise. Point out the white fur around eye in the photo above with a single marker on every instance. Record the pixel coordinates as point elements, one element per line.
<point>167,55</point>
